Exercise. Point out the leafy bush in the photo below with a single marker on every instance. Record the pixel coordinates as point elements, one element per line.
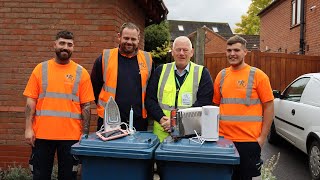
<point>54,175</point>
<point>20,173</point>
<point>269,167</point>
<point>16,173</point>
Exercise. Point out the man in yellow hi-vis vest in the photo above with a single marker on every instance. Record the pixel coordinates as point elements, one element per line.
<point>177,85</point>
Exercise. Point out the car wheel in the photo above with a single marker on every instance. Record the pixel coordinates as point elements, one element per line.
<point>314,160</point>
<point>273,137</point>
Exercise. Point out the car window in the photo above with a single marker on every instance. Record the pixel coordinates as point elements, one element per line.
<point>294,91</point>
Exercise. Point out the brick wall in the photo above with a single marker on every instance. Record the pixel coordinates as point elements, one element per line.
<point>277,34</point>
<point>214,43</point>
<point>276,31</point>
<point>313,28</point>
<point>27,32</point>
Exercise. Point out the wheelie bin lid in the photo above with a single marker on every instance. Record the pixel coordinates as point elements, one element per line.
<point>140,145</point>
<point>222,151</point>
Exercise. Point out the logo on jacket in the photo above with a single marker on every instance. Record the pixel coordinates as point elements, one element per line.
<point>142,65</point>
<point>69,78</point>
<point>241,83</point>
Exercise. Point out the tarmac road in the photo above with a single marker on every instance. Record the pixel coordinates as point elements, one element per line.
<point>293,163</point>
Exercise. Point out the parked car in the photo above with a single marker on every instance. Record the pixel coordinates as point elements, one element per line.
<point>297,118</point>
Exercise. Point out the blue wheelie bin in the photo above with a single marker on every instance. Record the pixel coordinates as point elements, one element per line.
<point>186,160</point>
<point>129,157</point>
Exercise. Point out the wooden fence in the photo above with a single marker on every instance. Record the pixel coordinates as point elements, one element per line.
<point>281,68</point>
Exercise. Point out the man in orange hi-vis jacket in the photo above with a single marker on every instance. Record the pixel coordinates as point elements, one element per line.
<point>123,73</point>
<point>58,93</point>
<point>245,98</point>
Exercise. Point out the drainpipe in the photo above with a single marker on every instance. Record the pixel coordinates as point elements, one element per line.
<point>302,28</point>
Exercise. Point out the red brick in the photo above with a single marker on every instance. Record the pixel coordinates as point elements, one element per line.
<point>35,10</point>
<point>106,28</point>
<point>11,4</point>
<point>26,39</point>
<point>276,33</point>
<point>5,10</point>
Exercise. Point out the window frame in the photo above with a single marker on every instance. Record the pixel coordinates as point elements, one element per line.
<point>287,95</point>
<point>295,12</point>
<point>180,28</point>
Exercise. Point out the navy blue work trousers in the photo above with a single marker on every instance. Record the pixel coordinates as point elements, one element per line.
<point>42,159</point>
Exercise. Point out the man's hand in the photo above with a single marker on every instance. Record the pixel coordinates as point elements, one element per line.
<point>30,113</point>
<point>261,141</point>
<point>29,136</point>
<point>165,123</point>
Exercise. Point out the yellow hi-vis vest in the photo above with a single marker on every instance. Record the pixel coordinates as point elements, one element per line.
<point>167,92</point>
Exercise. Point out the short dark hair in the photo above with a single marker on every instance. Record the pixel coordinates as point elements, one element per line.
<point>64,34</point>
<point>129,25</point>
<point>237,39</point>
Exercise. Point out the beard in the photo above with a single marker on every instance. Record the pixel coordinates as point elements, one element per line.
<point>63,54</point>
<point>124,48</point>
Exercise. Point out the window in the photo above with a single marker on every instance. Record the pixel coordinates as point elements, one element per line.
<point>294,91</point>
<point>180,27</point>
<point>215,29</point>
<point>296,12</point>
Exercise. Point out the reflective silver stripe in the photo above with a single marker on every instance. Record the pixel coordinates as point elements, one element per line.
<point>110,89</point>
<point>166,107</point>
<point>77,81</point>
<point>149,64</point>
<point>106,61</point>
<point>44,83</point>
<point>144,88</point>
<point>58,114</point>
<point>250,85</point>
<point>45,80</point>
<point>247,101</point>
<point>59,95</point>
<point>241,118</point>
<point>195,83</point>
<point>164,80</point>
<point>239,101</point>
<point>102,103</point>
<point>223,75</point>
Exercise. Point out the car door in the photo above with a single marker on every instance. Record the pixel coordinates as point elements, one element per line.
<point>286,108</point>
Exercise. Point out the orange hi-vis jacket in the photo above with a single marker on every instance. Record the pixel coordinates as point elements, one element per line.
<point>240,94</point>
<point>110,75</point>
<point>59,90</point>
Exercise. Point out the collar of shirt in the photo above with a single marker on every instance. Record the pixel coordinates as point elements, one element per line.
<point>183,72</point>
<point>125,55</point>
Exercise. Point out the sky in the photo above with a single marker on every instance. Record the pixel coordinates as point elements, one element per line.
<point>228,11</point>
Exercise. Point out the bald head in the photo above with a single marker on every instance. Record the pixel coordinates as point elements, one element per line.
<point>183,39</point>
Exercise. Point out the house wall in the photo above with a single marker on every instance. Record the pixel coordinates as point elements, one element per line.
<point>28,29</point>
<point>313,28</point>
<point>277,35</point>
<point>276,32</point>
<point>214,43</point>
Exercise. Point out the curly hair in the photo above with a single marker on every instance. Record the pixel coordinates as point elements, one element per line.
<point>64,34</point>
